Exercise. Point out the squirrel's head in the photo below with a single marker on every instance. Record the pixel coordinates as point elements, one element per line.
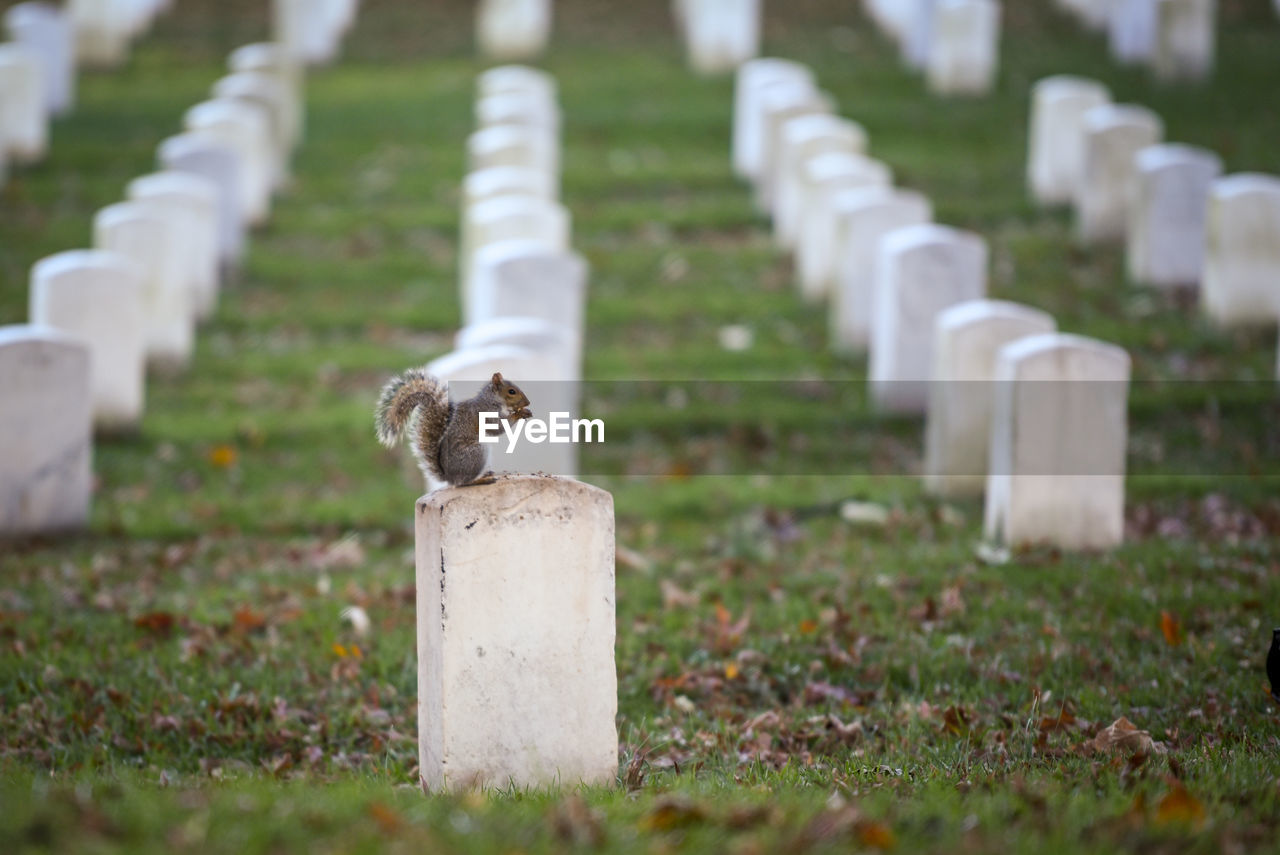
<point>509,392</point>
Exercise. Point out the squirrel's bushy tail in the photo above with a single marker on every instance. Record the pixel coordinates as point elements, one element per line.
<point>414,396</point>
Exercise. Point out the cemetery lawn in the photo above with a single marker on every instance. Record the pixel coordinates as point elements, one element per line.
<point>181,678</point>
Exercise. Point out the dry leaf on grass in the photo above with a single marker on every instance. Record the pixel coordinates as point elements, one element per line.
<point>1179,807</point>
<point>1123,735</point>
<point>1171,627</point>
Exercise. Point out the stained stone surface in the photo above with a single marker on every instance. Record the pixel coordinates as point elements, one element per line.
<point>921,270</point>
<point>96,296</point>
<point>966,339</point>
<point>1058,440</point>
<point>45,431</point>
<point>516,624</point>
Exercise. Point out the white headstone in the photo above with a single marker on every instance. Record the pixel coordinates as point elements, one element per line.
<point>514,145</point>
<point>721,34</point>
<point>750,82</point>
<point>965,48</point>
<point>864,217</point>
<point>48,32</point>
<point>24,121</point>
<point>966,339</point>
<point>780,104</point>
<point>45,431</point>
<point>466,371</point>
<point>307,29</point>
<point>102,35</point>
<point>536,334</point>
<point>1113,134</point>
<point>513,29</point>
<point>921,270</point>
<point>529,108</point>
<point>265,92</point>
<point>1185,36</point>
<point>96,296</point>
<point>1168,200</point>
<point>1131,30</point>
<point>1055,161</point>
<point>803,138</point>
<point>518,79</point>
<point>917,39</point>
<point>1058,439</point>
<point>246,129</point>
<point>517,684</point>
<point>220,165</point>
<point>511,218</point>
<point>823,179</point>
<point>529,279</point>
<point>193,201</point>
<point>271,58</point>
<point>1241,283</point>
<point>148,237</point>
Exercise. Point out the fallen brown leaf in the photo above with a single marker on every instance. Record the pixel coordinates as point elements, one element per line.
<point>672,812</point>
<point>1123,735</point>
<point>1179,807</point>
<point>1171,627</point>
<point>156,623</point>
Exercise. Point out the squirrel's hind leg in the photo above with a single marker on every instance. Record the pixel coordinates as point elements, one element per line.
<point>480,481</point>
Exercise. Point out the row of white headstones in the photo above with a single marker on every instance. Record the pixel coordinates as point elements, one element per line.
<point>100,317</point>
<point>988,374</point>
<point>515,579</point>
<point>1183,224</point>
<point>955,43</point>
<point>38,67</point>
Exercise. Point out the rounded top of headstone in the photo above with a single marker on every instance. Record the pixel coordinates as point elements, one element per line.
<point>259,56</point>
<point>815,126</point>
<point>508,179</point>
<point>74,260</point>
<point>216,111</point>
<point>755,72</point>
<point>516,204</point>
<point>170,182</point>
<point>19,334</point>
<point>795,95</point>
<point>1059,85</point>
<point>923,235</point>
<point>514,330</point>
<point>1246,183</point>
<point>512,78</point>
<point>977,312</point>
<point>1106,117</point>
<point>864,199</point>
<point>521,249</point>
<point>1165,155</point>
<point>249,84</point>
<point>836,166</point>
<point>191,144</point>
<point>1058,345</point>
<point>125,212</point>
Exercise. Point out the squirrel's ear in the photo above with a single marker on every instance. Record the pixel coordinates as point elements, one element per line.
<point>497,378</point>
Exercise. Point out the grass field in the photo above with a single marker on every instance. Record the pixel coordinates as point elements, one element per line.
<point>180,678</point>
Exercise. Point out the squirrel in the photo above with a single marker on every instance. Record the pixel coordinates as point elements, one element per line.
<point>446,435</point>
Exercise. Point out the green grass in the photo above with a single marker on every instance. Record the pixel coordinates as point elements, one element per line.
<point>179,678</point>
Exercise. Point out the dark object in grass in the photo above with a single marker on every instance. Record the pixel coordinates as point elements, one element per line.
<point>1273,664</point>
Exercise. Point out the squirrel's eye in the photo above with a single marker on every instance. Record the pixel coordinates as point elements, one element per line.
<point>511,391</point>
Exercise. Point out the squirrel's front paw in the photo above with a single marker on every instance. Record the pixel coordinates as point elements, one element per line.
<point>522,413</point>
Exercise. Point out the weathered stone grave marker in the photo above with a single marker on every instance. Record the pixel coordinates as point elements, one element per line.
<point>45,431</point>
<point>1167,204</point>
<point>517,683</point>
<point>96,296</point>
<point>1058,439</point>
<point>920,271</point>
<point>966,339</point>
